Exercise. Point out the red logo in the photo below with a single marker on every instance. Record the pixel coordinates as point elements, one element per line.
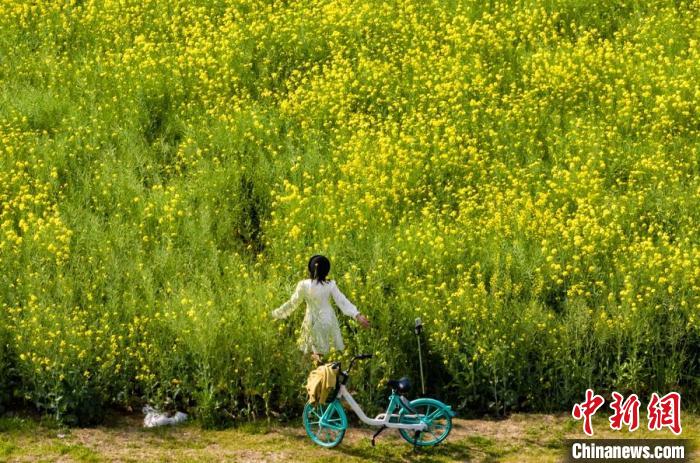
<point>626,412</point>
<point>587,409</point>
<point>665,412</point>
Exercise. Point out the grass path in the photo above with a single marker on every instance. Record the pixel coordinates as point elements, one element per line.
<point>519,438</point>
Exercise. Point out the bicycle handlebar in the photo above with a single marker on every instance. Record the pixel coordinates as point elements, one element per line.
<point>359,357</point>
<point>352,362</point>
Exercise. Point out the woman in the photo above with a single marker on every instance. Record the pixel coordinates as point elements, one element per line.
<point>320,329</point>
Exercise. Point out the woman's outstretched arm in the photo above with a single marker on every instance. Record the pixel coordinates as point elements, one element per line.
<point>345,306</point>
<point>288,307</point>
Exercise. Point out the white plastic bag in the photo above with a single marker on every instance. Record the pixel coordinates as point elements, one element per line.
<point>154,418</point>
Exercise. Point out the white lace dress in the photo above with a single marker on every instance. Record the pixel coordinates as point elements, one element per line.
<point>320,328</point>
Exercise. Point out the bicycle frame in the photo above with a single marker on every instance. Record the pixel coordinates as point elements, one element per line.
<point>383,419</point>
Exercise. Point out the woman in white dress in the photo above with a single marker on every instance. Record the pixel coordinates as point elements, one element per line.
<point>320,329</point>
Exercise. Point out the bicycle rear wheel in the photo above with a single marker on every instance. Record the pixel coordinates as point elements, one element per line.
<point>434,414</point>
<point>325,424</point>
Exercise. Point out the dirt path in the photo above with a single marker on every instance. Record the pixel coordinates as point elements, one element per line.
<point>519,438</point>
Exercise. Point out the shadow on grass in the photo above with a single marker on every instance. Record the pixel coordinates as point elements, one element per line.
<point>390,449</point>
<point>397,452</point>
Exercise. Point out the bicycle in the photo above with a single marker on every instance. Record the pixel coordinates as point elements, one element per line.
<point>429,420</point>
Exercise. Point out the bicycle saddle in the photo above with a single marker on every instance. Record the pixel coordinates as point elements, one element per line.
<point>401,385</point>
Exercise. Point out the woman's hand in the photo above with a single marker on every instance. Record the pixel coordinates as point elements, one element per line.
<point>362,320</point>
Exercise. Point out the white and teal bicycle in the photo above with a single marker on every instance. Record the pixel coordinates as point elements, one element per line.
<point>422,422</point>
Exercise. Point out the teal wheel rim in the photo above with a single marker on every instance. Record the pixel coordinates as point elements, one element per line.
<point>325,424</point>
<point>432,412</point>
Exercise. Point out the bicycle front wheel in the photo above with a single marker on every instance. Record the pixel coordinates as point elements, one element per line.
<point>325,423</point>
<point>434,414</point>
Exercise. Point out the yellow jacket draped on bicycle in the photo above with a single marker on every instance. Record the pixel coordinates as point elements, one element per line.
<point>321,382</point>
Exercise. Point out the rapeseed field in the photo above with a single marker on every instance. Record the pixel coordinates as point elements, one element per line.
<point>522,175</point>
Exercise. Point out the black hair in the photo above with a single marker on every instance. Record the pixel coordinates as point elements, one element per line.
<point>319,266</point>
